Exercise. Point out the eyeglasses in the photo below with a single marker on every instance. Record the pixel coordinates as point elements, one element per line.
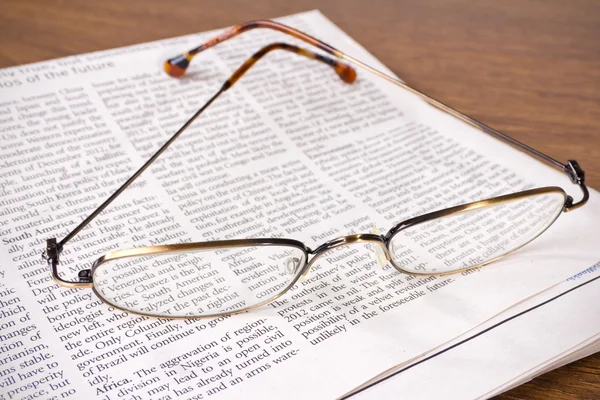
<point>216,278</point>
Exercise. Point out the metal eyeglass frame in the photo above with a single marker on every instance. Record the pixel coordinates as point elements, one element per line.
<point>177,66</point>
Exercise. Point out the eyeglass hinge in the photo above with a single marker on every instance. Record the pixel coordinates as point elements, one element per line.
<point>574,172</point>
<point>568,203</point>
<point>85,275</point>
<point>52,251</point>
<point>577,176</point>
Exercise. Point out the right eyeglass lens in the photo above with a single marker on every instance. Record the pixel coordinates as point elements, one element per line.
<point>198,283</point>
<point>472,238</point>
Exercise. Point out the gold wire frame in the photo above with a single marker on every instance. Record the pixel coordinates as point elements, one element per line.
<point>470,207</point>
<point>199,246</point>
<point>176,67</point>
<point>311,256</point>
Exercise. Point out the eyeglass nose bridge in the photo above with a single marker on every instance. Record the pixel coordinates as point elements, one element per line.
<point>344,241</point>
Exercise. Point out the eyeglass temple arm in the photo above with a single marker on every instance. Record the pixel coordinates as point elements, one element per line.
<point>344,71</point>
<point>177,66</point>
<point>53,249</point>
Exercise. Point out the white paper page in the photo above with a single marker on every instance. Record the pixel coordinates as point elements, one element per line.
<point>524,306</point>
<point>74,129</point>
<point>511,354</point>
<point>580,351</point>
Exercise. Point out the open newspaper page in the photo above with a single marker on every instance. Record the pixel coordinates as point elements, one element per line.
<point>563,330</point>
<point>290,151</point>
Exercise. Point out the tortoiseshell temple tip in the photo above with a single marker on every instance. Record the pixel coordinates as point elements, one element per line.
<point>177,65</point>
<point>346,72</point>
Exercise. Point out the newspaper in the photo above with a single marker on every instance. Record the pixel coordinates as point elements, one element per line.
<point>290,151</point>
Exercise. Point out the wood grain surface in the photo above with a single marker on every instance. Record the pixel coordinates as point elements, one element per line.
<point>526,67</point>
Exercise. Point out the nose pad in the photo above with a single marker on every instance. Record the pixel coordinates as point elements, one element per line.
<point>291,266</point>
<point>379,252</point>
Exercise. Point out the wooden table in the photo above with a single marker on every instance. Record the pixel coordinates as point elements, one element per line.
<point>529,68</point>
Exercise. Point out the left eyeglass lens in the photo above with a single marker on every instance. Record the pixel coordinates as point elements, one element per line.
<point>199,283</point>
<point>475,237</point>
